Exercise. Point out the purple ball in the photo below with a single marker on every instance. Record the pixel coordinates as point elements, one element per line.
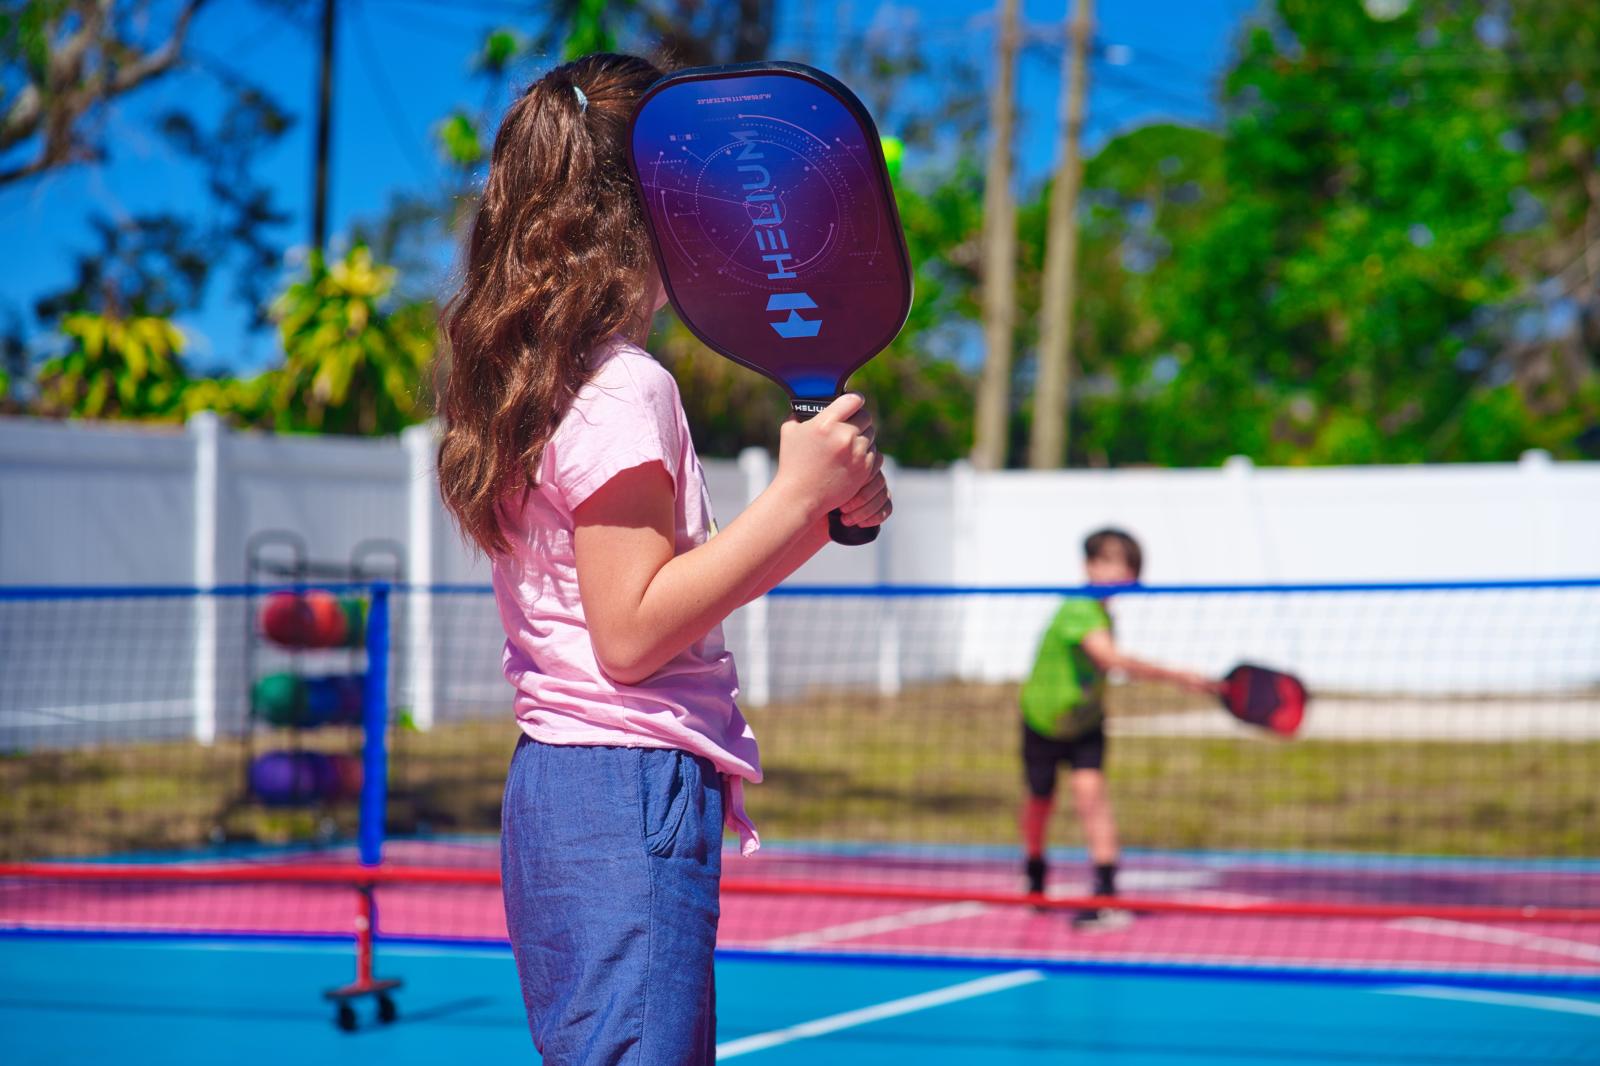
<point>293,778</point>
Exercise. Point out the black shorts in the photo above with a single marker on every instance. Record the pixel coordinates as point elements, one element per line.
<point>1041,755</point>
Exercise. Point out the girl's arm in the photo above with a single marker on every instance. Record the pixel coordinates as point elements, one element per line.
<point>797,554</point>
<point>644,605</point>
<point>870,507</point>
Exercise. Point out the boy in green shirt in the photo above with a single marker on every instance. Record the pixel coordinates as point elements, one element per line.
<point>1063,720</point>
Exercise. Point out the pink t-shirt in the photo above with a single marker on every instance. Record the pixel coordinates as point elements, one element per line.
<point>629,414</point>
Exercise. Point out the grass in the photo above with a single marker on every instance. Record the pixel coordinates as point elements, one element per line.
<point>936,764</point>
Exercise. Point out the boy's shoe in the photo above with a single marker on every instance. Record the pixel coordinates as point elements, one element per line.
<point>1102,920</point>
<point>1035,870</point>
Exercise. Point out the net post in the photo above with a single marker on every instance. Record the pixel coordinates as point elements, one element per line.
<point>755,665</point>
<point>205,429</point>
<point>889,681</point>
<point>366,917</point>
<point>422,678</point>
<point>966,568</point>
<point>375,726</point>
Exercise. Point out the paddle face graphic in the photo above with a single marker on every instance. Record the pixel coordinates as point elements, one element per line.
<point>773,220</point>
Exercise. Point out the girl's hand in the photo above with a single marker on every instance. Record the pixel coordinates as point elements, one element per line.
<point>870,506</point>
<point>826,461</point>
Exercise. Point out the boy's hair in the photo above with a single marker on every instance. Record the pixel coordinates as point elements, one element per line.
<point>557,261</point>
<point>1103,542</point>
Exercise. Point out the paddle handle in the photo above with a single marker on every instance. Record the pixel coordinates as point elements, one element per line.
<point>852,536</point>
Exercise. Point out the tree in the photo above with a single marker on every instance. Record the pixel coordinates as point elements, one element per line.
<point>114,368</point>
<point>354,361</point>
<point>999,258</point>
<point>1356,288</point>
<point>64,61</point>
<point>1145,193</point>
<point>64,65</point>
<point>1047,449</point>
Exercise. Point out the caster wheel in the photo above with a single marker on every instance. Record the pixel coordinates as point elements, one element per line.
<point>387,1011</point>
<point>346,1018</point>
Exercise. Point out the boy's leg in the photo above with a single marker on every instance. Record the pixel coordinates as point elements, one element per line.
<point>1039,760</point>
<point>1093,803</point>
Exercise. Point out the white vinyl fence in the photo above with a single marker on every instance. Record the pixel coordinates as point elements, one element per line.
<point>96,505</point>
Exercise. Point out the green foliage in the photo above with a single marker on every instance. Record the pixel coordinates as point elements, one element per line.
<point>1385,253</point>
<point>24,34</point>
<point>353,361</point>
<point>460,140</point>
<point>501,47</point>
<point>589,30</point>
<point>242,402</point>
<point>114,368</point>
<point>1340,276</point>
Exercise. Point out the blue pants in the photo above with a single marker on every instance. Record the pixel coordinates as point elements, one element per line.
<point>610,859</point>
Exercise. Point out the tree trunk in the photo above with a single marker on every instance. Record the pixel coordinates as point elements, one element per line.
<point>1052,407</point>
<point>999,258</point>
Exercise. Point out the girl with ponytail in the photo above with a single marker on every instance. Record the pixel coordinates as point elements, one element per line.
<point>567,459</point>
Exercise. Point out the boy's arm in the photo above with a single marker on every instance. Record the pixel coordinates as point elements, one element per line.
<point>1102,648</point>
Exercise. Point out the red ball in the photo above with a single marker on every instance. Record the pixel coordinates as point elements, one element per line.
<point>346,777</point>
<point>287,620</point>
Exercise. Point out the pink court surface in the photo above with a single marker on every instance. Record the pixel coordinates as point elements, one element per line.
<point>1352,917</point>
<point>846,955</point>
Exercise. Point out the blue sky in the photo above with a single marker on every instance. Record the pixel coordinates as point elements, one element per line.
<point>402,64</point>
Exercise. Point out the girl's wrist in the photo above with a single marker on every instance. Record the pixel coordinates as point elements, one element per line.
<point>799,504</point>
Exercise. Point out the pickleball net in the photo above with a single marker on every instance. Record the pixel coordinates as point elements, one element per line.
<point>1436,817</point>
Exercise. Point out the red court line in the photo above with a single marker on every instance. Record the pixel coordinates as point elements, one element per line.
<point>454,904</point>
<point>355,876</point>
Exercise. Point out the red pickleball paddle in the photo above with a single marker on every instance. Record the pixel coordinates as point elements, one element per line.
<point>1265,697</point>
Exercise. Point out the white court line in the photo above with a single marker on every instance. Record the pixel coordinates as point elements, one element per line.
<point>1503,999</point>
<point>983,986</point>
<point>953,912</point>
<point>887,923</point>
<point>1489,934</point>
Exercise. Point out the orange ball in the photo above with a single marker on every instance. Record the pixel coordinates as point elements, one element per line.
<point>329,627</point>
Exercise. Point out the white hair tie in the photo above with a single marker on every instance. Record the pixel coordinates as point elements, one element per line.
<point>583,101</point>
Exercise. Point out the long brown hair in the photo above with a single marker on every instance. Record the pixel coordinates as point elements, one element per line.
<point>557,261</point>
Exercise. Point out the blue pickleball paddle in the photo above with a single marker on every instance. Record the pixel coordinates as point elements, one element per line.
<point>774,223</point>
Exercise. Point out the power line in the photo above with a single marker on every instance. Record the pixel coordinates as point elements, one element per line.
<point>1117,77</point>
<point>428,26</point>
<point>484,7</point>
<point>396,122</point>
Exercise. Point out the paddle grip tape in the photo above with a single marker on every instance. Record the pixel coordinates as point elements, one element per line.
<point>852,536</point>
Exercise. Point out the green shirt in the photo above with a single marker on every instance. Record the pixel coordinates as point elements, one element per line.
<point>1064,696</point>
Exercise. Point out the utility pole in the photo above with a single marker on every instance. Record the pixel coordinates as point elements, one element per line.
<point>319,164</point>
<point>999,257</point>
<point>1052,395</point>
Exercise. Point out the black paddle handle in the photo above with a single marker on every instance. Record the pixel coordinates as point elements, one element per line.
<point>805,411</point>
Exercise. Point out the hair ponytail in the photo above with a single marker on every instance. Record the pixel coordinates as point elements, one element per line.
<point>557,261</point>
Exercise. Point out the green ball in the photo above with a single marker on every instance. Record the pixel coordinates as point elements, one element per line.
<point>279,699</point>
<point>355,617</point>
<point>893,149</point>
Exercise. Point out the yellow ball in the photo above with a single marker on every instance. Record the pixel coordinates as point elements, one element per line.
<point>893,149</point>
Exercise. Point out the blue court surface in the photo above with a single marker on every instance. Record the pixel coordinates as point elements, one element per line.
<point>66,1000</point>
